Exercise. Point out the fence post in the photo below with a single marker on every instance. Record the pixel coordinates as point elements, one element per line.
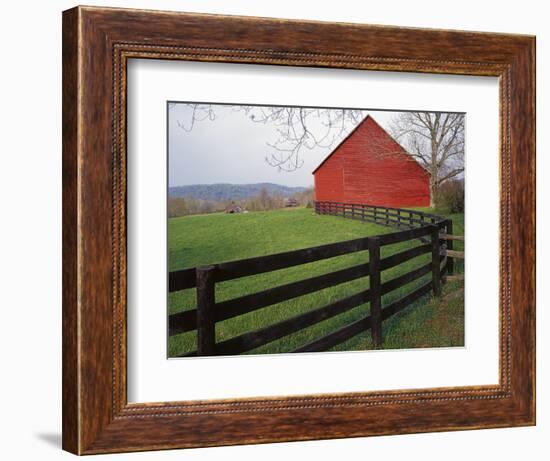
<point>450,261</point>
<point>206,299</point>
<point>436,271</point>
<point>375,291</point>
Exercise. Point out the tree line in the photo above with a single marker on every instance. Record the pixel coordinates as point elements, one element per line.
<point>263,201</point>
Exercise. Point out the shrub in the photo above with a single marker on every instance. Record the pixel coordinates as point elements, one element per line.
<point>305,198</point>
<point>450,196</point>
<point>177,207</point>
<point>180,206</point>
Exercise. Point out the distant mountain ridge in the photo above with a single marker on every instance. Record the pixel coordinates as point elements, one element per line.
<point>225,191</point>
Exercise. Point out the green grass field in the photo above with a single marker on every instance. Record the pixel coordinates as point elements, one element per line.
<point>214,238</point>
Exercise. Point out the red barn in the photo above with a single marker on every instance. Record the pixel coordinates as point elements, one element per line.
<point>370,167</point>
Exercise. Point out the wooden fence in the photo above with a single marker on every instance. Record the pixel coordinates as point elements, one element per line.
<point>391,217</point>
<point>425,228</point>
<point>385,216</point>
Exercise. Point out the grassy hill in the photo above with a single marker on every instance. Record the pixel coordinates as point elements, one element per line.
<point>214,238</point>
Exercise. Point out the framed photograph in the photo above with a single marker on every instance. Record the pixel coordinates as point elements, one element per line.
<point>281,216</point>
<point>281,230</point>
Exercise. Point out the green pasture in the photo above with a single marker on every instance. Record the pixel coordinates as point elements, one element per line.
<point>214,238</point>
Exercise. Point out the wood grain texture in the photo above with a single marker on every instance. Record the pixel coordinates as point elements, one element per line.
<point>70,383</point>
<point>375,291</point>
<point>97,42</point>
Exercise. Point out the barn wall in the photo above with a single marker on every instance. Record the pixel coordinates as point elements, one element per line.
<point>370,167</point>
<point>328,179</point>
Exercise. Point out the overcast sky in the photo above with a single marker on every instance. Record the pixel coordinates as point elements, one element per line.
<point>232,149</point>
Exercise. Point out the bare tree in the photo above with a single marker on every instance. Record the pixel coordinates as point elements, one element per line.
<point>436,140</point>
<point>297,128</point>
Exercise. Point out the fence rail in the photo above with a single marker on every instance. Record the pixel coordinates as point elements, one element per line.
<point>385,216</point>
<point>416,224</point>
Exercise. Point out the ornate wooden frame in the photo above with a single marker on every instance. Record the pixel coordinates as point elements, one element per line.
<point>97,43</point>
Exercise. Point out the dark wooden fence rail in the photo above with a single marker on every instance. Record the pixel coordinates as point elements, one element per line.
<point>384,216</point>
<point>419,226</point>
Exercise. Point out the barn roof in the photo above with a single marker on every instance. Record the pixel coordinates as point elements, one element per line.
<point>354,130</point>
